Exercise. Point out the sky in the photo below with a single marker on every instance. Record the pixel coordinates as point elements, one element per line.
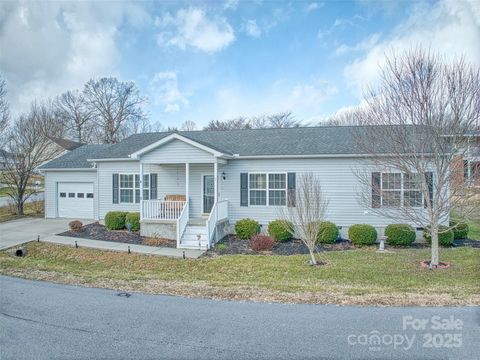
<point>200,61</point>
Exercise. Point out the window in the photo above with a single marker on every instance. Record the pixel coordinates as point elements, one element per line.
<point>89,195</point>
<point>273,185</point>
<point>80,195</point>
<point>130,188</point>
<point>62,194</point>
<point>399,189</point>
<point>71,195</point>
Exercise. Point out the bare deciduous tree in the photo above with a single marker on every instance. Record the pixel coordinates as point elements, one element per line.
<point>115,105</point>
<point>308,212</point>
<point>345,117</point>
<point>282,120</point>
<point>72,109</point>
<point>425,105</point>
<point>4,108</point>
<point>188,126</point>
<point>29,147</point>
<point>233,124</point>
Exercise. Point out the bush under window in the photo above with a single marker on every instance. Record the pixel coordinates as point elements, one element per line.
<point>460,229</point>
<point>445,235</point>
<point>133,218</point>
<point>400,234</point>
<point>362,234</point>
<point>246,228</point>
<point>328,233</point>
<point>115,220</point>
<point>280,230</point>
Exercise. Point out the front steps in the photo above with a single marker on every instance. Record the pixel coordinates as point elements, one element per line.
<point>195,235</point>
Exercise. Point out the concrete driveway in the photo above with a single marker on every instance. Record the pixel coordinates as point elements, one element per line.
<point>40,320</point>
<point>19,231</point>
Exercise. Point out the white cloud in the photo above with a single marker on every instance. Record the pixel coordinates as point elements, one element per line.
<point>364,45</point>
<point>165,92</point>
<point>56,46</point>
<point>451,27</point>
<point>314,6</point>
<point>192,27</point>
<point>230,5</point>
<point>252,29</point>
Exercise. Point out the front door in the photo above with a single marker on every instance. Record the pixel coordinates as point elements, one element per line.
<point>208,193</point>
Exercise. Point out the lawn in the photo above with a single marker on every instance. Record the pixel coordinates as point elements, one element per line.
<point>350,277</point>
<point>30,209</point>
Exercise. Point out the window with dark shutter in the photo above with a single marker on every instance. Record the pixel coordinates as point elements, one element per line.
<point>292,192</point>
<point>244,189</point>
<point>376,197</point>
<point>115,188</point>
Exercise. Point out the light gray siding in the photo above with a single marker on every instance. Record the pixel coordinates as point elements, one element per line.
<point>339,183</point>
<point>177,151</point>
<point>52,178</point>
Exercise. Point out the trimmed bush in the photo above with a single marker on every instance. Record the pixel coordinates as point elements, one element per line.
<point>246,228</point>
<point>328,233</point>
<point>362,234</point>
<point>460,229</point>
<point>115,220</point>
<point>280,230</point>
<point>133,218</point>
<point>445,235</point>
<point>262,243</point>
<point>75,225</point>
<point>400,234</point>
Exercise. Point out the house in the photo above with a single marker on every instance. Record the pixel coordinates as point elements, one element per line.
<point>6,158</point>
<point>193,185</point>
<point>466,167</point>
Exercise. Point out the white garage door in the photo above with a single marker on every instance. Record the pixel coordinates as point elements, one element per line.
<point>75,200</point>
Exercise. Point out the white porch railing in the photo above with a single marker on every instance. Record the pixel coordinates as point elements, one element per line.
<point>162,210</point>
<point>182,222</point>
<point>218,213</point>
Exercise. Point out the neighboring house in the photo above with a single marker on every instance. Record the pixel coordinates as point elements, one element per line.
<point>466,168</point>
<point>196,183</point>
<point>5,159</point>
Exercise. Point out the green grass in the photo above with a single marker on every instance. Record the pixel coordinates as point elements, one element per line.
<point>356,276</point>
<point>8,213</point>
<point>474,232</point>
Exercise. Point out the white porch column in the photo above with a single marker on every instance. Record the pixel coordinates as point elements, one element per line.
<point>141,189</point>
<point>215,181</point>
<point>187,181</point>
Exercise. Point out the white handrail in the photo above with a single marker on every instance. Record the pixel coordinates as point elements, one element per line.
<point>182,222</point>
<point>162,210</point>
<point>219,212</point>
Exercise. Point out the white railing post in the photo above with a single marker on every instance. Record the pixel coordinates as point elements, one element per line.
<point>141,189</point>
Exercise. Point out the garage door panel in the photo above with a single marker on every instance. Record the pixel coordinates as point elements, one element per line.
<point>75,200</point>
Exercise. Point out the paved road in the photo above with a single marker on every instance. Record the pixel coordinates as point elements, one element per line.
<point>47,321</point>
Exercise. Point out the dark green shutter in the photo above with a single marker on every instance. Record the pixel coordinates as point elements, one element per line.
<point>429,181</point>
<point>376,196</point>
<point>115,188</point>
<point>292,193</point>
<point>153,186</point>
<point>243,189</point>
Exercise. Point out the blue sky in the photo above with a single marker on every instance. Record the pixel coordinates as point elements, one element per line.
<point>217,60</point>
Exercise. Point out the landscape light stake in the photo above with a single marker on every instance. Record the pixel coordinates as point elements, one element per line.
<point>38,238</point>
<point>76,245</point>
<point>184,255</point>
<point>129,249</point>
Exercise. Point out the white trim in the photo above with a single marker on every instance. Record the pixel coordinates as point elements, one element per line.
<point>171,137</point>
<point>68,169</point>
<point>314,156</point>
<point>110,159</point>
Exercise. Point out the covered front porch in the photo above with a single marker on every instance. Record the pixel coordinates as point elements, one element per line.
<point>184,204</point>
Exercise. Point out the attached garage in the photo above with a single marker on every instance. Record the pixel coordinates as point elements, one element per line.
<point>75,200</point>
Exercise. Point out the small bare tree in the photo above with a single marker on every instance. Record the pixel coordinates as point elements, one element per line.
<point>115,106</point>
<point>188,125</point>
<point>71,108</point>
<point>423,108</point>
<point>4,109</point>
<point>308,212</point>
<point>29,147</point>
<point>282,120</point>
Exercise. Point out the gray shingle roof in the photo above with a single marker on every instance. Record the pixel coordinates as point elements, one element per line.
<point>301,141</point>
<point>75,159</point>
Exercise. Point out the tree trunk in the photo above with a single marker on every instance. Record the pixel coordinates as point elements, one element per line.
<point>312,256</point>
<point>434,233</point>
<point>20,208</point>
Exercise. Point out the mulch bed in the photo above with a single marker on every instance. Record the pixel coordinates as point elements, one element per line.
<point>98,231</point>
<point>231,245</point>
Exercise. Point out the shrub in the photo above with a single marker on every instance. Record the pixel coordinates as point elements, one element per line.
<point>133,218</point>
<point>280,230</point>
<point>445,235</point>
<point>115,220</point>
<point>362,234</point>
<point>262,243</point>
<point>460,229</point>
<point>328,233</point>
<point>75,225</point>
<point>246,228</point>
<point>400,234</point>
